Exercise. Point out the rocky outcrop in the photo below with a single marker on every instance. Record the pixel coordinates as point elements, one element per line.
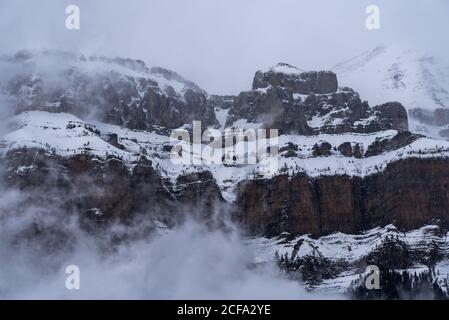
<point>409,193</point>
<point>287,76</point>
<point>392,115</point>
<point>310,103</point>
<point>346,149</point>
<point>118,91</point>
<point>274,107</point>
<point>322,150</point>
<point>169,111</point>
<point>113,140</point>
<point>402,139</point>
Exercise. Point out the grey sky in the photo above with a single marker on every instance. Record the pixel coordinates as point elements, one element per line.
<point>221,43</point>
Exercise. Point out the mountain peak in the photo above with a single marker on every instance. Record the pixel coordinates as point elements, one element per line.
<point>48,64</point>
<point>297,80</point>
<point>285,68</point>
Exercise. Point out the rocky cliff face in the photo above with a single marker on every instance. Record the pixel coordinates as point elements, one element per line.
<point>408,194</point>
<point>118,91</point>
<point>343,165</point>
<point>104,190</point>
<point>301,82</point>
<point>310,103</point>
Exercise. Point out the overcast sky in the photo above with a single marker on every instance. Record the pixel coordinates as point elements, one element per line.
<point>219,44</point>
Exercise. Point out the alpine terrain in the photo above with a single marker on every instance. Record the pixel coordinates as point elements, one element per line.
<point>419,81</point>
<point>360,179</point>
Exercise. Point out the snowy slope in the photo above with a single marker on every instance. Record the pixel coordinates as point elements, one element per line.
<point>352,249</point>
<point>393,73</point>
<point>284,68</point>
<point>65,135</point>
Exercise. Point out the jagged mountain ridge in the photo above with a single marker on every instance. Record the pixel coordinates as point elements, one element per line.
<point>118,91</point>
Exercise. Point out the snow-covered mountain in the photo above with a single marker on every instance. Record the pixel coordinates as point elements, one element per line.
<point>417,80</point>
<point>326,131</point>
<point>116,90</point>
<point>90,138</point>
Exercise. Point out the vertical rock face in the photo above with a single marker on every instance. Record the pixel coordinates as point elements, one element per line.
<point>300,205</point>
<point>83,183</point>
<point>108,189</point>
<point>409,194</point>
<point>274,108</point>
<point>200,191</point>
<point>287,76</point>
<point>170,112</point>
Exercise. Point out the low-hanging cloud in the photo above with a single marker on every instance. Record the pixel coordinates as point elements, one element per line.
<point>39,240</point>
<point>187,262</point>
